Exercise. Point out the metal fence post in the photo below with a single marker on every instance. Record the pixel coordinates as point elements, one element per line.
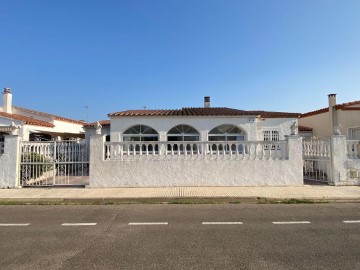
<point>54,164</point>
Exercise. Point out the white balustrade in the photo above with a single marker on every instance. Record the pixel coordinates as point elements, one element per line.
<point>316,148</point>
<point>353,149</point>
<point>241,150</point>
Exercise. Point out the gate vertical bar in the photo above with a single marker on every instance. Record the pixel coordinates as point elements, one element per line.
<point>54,163</point>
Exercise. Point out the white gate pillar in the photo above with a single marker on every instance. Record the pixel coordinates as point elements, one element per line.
<point>295,159</point>
<point>97,156</point>
<point>9,162</point>
<point>338,159</point>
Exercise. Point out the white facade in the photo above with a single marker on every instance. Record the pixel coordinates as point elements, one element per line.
<point>252,126</point>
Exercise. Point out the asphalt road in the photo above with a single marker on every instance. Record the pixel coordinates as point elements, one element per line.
<point>180,237</point>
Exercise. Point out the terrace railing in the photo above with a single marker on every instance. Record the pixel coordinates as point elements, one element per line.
<point>244,150</point>
<point>316,148</point>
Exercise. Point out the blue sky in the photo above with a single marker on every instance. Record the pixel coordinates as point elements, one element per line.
<point>282,55</point>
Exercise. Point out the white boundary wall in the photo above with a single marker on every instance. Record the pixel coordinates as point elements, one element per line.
<point>9,162</point>
<point>190,172</point>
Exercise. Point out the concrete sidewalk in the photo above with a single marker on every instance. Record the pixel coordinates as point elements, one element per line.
<point>311,192</point>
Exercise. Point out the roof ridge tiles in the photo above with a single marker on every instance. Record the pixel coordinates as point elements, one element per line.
<point>26,119</point>
<point>57,117</point>
<point>326,109</point>
<point>202,111</point>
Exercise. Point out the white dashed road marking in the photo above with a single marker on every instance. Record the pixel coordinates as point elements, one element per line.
<point>291,222</point>
<point>222,223</point>
<point>147,223</point>
<point>14,224</point>
<point>351,221</point>
<point>78,224</point>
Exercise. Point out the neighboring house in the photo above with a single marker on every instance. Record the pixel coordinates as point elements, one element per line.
<point>200,124</point>
<point>305,131</point>
<point>35,125</point>
<point>90,129</point>
<point>343,117</point>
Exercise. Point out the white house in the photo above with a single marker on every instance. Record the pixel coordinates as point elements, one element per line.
<point>344,118</point>
<point>204,146</point>
<point>200,124</point>
<point>35,125</point>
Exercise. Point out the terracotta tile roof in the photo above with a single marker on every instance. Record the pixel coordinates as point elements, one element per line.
<point>350,109</point>
<point>104,123</point>
<point>182,112</point>
<point>200,111</point>
<point>342,106</point>
<point>303,128</point>
<point>314,112</point>
<point>266,114</point>
<point>56,117</point>
<point>26,120</point>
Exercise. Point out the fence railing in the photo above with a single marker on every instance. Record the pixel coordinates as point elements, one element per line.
<point>2,147</point>
<point>316,148</point>
<point>353,149</point>
<point>244,150</point>
<point>54,163</point>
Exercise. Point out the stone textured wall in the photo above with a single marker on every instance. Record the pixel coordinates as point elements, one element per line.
<point>9,162</point>
<point>202,172</point>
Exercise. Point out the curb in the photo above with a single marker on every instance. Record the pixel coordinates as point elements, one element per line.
<point>173,200</point>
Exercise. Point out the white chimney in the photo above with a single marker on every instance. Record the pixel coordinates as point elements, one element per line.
<point>332,111</point>
<point>7,100</point>
<point>206,102</point>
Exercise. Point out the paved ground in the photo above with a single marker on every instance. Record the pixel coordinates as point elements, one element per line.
<point>303,192</point>
<point>180,237</point>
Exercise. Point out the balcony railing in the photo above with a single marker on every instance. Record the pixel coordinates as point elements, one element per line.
<point>353,149</point>
<point>244,150</point>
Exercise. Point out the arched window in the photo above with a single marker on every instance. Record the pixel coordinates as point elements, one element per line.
<point>140,133</point>
<point>226,133</point>
<point>183,133</point>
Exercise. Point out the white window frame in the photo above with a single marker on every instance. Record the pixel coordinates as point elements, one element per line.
<point>183,133</point>
<point>272,136</point>
<point>239,136</point>
<point>140,135</point>
<point>350,129</point>
<point>128,138</point>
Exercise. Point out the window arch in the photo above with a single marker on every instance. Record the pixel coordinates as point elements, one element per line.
<point>226,133</point>
<point>140,133</point>
<point>183,133</point>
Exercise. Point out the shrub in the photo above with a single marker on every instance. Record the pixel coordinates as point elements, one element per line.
<point>34,165</point>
